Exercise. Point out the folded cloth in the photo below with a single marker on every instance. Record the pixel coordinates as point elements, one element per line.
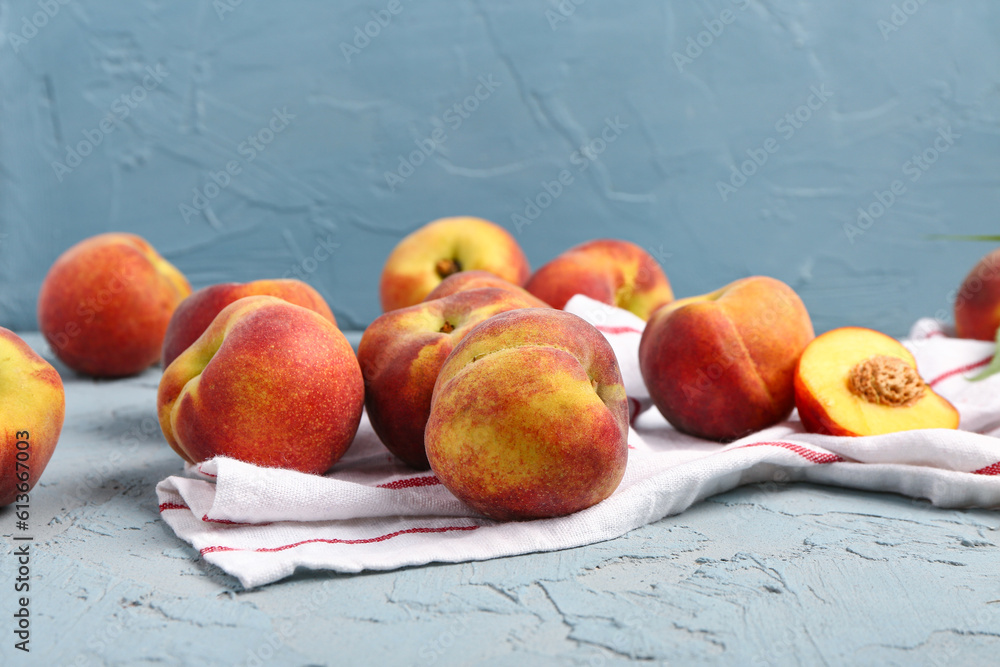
<point>371,512</point>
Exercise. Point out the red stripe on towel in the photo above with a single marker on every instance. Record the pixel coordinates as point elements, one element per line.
<point>173,506</point>
<point>369,540</point>
<point>804,452</point>
<point>618,330</point>
<point>963,369</point>
<point>430,480</point>
<point>231,523</point>
<point>988,470</point>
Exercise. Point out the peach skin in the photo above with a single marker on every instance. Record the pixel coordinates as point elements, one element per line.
<point>529,417</point>
<point>614,272</point>
<point>468,280</point>
<point>196,312</point>
<point>402,351</point>
<point>722,365</point>
<point>32,408</point>
<point>269,383</point>
<point>977,305</point>
<point>444,247</point>
<point>105,304</point>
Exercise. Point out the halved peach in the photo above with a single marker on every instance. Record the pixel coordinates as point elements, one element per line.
<point>855,381</point>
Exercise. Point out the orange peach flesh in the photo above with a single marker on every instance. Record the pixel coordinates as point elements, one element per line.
<point>888,394</point>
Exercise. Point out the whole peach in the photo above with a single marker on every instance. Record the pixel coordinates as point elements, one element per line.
<point>269,383</point>
<point>722,365</point>
<point>105,304</point>
<point>32,408</point>
<point>529,417</point>
<point>977,305</point>
<point>402,351</point>
<point>444,247</point>
<point>196,312</point>
<point>611,271</point>
<point>468,280</point>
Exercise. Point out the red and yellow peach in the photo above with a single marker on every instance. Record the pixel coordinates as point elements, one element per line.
<point>269,383</point>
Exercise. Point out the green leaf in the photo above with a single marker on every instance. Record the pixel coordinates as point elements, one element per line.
<point>961,237</point>
<point>994,366</point>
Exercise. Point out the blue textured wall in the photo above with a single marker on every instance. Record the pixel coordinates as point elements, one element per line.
<point>174,92</point>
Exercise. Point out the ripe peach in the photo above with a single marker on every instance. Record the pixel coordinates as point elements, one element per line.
<point>977,305</point>
<point>402,351</point>
<point>444,247</point>
<point>468,280</point>
<point>529,417</point>
<point>269,383</point>
<point>105,304</point>
<point>855,381</point>
<point>615,272</point>
<point>32,407</point>
<point>196,312</point>
<point>721,365</point>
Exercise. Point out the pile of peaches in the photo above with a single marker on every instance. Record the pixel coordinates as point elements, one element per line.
<point>474,370</point>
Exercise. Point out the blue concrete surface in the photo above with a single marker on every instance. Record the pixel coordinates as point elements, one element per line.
<point>772,574</point>
<point>301,128</point>
<point>238,137</point>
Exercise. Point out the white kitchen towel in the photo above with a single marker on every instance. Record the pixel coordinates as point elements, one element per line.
<point>373,513</point>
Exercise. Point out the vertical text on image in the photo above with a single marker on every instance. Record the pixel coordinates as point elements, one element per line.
<point>22,554</point>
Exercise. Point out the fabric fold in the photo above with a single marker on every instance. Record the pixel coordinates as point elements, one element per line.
<point>371,512</point>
